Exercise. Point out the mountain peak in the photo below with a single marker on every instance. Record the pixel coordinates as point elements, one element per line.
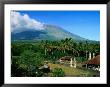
<point>50,32</point>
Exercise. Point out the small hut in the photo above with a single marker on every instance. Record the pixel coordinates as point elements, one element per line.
<point>68,60</point>
<point>94,63</point>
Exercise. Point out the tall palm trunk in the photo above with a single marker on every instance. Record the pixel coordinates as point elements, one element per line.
<point>86,54</point>
<point>45,51</point>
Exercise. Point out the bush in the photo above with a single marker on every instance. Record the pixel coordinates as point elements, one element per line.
<point>58,72</point>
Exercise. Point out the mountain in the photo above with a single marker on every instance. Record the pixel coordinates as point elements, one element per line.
<point>50,32</point>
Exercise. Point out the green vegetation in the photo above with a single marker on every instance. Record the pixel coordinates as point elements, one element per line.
<point>58,72</point>
<point>28,56</point>
<point>76,72</point>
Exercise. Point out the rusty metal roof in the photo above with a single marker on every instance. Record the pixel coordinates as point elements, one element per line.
<point>95,60</point>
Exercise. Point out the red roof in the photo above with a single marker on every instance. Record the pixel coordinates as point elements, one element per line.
<point>95,60</point>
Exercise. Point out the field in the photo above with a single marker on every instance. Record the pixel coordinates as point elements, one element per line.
<point>75,72</point>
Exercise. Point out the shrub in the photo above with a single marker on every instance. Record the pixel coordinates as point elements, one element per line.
<point>58,72</point>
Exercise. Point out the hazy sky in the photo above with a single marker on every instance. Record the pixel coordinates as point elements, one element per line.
<point>83,23</point>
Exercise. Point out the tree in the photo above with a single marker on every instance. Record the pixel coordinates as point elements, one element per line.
<point>16,71</point>
<point>31,61</point>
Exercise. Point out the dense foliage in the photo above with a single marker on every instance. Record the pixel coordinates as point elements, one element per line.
<point>28,56</point>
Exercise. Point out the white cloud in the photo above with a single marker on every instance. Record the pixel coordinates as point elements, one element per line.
<point>21,22</point>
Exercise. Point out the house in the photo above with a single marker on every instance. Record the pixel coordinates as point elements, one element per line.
<point>68,60</point>
<point>93,63</point>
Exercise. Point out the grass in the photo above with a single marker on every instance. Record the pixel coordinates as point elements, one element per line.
<point>74,72</point>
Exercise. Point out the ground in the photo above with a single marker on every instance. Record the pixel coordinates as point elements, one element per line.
<point>75,72</point>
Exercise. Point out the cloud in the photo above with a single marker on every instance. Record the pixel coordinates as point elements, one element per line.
<point>21,22</point>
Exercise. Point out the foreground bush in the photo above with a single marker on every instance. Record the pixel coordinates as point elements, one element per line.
<point>58,72</point>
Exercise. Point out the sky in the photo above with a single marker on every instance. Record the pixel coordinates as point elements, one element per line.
<point>83,23</point>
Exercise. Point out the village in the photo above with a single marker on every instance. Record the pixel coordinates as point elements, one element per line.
<point>71,63</point>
